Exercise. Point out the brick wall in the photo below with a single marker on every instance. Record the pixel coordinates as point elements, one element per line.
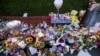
<point>30,19</point>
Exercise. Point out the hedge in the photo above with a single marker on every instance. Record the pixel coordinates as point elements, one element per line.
<point>38,7</point>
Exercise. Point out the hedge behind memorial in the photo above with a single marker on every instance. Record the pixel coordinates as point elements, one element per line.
<point>38,7</point>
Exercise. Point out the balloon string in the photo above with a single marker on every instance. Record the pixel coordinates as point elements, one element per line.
<point>58,13</point>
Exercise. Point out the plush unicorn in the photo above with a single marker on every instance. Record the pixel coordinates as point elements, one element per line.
<point>13,24</point>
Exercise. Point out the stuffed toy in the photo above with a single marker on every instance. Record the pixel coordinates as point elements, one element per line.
<point>74,18</point>
<point>81,14</point>
<point>13,24</point>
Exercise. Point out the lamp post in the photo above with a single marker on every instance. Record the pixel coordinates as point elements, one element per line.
<point>58,4</point>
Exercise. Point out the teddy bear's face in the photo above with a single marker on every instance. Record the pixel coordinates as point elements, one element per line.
<point>74,12</point>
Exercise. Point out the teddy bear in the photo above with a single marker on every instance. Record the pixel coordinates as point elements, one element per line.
<point>74,18</point>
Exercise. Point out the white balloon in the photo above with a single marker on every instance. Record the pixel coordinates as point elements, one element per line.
<point>58,4</point>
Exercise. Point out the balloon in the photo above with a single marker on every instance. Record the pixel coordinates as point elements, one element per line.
<point>58,4</point>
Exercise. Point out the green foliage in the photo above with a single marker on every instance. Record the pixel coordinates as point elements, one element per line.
<point>38,7</point>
